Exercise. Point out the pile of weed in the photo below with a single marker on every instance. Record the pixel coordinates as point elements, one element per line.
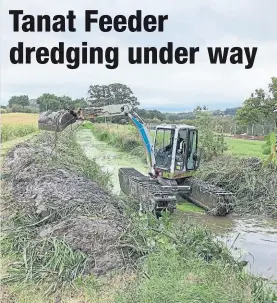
<point>253,184</point>
<point>62,224</point>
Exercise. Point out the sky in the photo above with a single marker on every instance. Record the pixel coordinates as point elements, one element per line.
<point>176,88</point>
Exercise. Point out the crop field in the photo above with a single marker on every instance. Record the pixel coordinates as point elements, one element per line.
<point>17,125</point>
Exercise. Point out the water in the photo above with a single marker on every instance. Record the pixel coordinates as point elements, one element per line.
<point>252,239</point>
<point>109,159</point>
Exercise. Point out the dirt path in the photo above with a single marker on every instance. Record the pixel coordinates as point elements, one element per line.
<point>255,239</point>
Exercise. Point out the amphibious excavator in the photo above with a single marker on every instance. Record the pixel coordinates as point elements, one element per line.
<point>173,158</point>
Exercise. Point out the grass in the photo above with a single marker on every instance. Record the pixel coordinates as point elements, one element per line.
<point>123,137</point>
<point>242,147</point>
<point>16,125</point>
<point>253,184</point>
<point>185,264</point>
<point>189,207</point>
<point>171,278</point>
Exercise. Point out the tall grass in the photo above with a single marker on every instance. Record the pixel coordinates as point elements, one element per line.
<point>16,125</point>
<point>185,264</point>
<point>10,132</point>
<point>171,278</point>
<point>125,138</point>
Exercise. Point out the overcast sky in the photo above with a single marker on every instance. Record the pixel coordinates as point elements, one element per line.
<point>202,23</point>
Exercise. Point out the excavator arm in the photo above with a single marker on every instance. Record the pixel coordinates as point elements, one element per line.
<point>150,195</point>
<point>58,121</point>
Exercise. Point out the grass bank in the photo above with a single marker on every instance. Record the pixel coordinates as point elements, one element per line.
<point>169,261</point>
<point>123,137</point>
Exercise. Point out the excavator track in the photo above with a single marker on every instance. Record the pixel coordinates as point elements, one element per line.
<point>149,193</point>
<point>215,200</point>
<point>152,196</point>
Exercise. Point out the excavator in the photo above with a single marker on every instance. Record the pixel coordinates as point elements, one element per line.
<point>173,158</point>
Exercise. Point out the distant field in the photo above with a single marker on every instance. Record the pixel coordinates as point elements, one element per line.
<point>19,118</point>
<point>242,147</point>
<point>17,125</point>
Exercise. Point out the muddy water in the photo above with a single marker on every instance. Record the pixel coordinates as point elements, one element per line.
<point>252,239</point>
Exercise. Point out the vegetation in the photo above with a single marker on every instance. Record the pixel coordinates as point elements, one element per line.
<point>123,137</point>
<point>115,93</point>
<point>210,143</point>
<point>19,100</point>
<point>243,147</point>
<point>270,148</point>
<point>253,183</point>
<point>53,102</point>
<point>16,125</point>
<point>259,108</point>
<point>256,116</point>
<point>172,278</point>
<point>174,261</point>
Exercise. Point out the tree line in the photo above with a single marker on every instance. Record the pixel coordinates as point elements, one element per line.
<point>258,108</point>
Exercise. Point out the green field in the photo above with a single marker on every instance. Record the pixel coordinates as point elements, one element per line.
<point>242,147</point>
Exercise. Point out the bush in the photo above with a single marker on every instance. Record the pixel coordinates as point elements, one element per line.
<point>20,109</point>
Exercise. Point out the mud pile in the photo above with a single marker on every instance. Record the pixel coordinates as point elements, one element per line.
<point>66,205</point>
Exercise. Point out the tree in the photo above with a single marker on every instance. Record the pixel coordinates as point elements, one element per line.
<point>211,144</point>
<point>252,110</point>
<point>115,93</point>
<point>273,88</point>
<point>231,111</point>
<point>269,148</point>
<point>54,103</point>
<point>80,103</point>
<point>48,102</point>
<point>22,100</point>
<point>65,102</point>
<point>259,108</point>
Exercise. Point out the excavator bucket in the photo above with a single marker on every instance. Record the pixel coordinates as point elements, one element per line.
<point>55,121</point>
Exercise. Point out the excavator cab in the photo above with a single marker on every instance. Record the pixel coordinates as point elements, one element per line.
<point>176,150</point>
